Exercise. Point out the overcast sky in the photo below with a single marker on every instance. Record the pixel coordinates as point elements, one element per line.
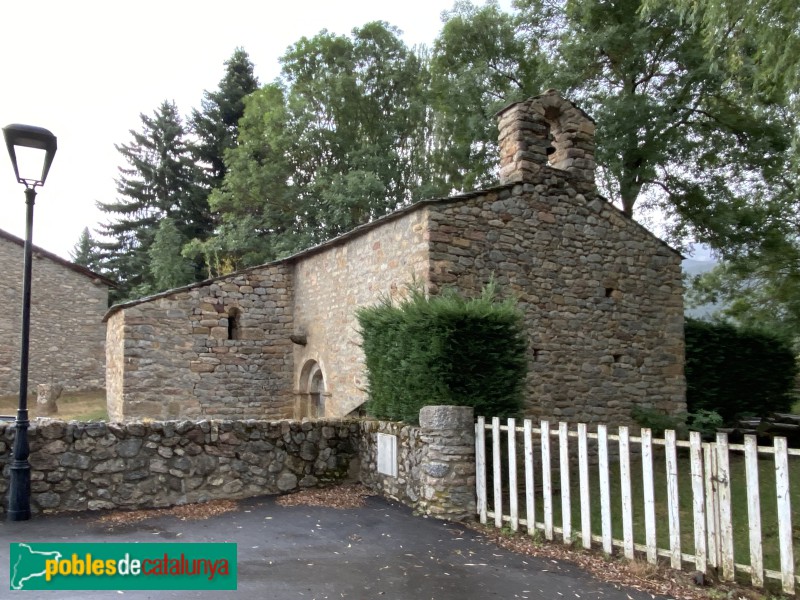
<point>85,69</point>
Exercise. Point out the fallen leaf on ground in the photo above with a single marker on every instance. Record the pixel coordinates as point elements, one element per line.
<point>185,512</point>
<point>342,496</point>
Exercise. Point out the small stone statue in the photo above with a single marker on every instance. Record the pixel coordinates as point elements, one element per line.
<point>46,396</point>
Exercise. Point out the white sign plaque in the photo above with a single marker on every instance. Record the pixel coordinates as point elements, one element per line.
<point>387,454</point>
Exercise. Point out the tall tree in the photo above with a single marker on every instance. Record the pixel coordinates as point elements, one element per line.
<point>483,59</point>
<point>758,44</point>
<point>216,124</point>
<point>337,141</point>
<point>672,129</point>
<point>159,181</point>
<point>86,252</point>
<point>759,40</point>
<point>168,267</point>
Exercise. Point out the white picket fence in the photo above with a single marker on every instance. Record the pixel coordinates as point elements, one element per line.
<point>710,480</point>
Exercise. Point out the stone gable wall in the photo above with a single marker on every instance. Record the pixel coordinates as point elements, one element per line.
<point>602,297</point>
<point>171,357</point>
<point>330,285</point>
<point>67,329</point>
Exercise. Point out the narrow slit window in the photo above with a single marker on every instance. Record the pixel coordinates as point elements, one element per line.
<point>234,324</point>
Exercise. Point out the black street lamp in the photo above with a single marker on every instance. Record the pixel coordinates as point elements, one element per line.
<point>36,148</point>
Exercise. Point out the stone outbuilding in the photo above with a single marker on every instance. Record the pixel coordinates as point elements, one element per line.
<point>602,298</point>
<point>67,343</point>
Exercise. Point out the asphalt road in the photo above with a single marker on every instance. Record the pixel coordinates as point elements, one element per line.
<point>379,551</point>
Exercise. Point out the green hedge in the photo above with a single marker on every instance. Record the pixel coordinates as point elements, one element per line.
<point>443,350</point>
<point>736,372</point>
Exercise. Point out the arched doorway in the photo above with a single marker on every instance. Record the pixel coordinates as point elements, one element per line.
<point>311,397</point>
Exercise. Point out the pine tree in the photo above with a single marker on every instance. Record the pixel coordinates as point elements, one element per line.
<point>216,125</point>
<point>86,252</point>
<point>159,181</point>
<point>168,267</point>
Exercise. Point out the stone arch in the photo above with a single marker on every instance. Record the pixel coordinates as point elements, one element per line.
<point>311,391</point>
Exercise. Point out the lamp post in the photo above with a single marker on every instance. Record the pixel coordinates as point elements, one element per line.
<point>30,143</point>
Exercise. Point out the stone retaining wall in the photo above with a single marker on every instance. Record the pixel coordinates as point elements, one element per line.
<point>435,462</point>
<point>92,466</point>
<point>406,486</point>
<point>80,466</point>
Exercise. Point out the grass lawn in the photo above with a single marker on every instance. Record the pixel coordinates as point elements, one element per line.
<point>84,406</point>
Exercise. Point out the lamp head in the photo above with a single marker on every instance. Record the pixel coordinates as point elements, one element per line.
<point>36,164</point>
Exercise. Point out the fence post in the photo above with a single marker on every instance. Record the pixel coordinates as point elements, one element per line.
<point>605,490</point>
<point>625,492</point>
<point>698,501</point>
<point>530,512</point>
<point>723,481</point>
<point>649,496</point>
<point>712,503</point>
<point>547,488</point>
<point>784,514</point>
<point>513,500</point>
<point>564,466</point>
<point>480,462</point>
<point>448,462</point>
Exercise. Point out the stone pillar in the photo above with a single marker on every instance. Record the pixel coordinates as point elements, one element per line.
<point>448,462</point>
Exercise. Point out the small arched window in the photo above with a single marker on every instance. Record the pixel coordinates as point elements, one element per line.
<point>234,324</point>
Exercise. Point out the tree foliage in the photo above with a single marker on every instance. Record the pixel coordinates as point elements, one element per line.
<point>483,59</point>
<point>443,350</point>
<point>160,181</point>
<point>758,39</point>
<point>216,124</point>
<point>86,252</point>
<point>337,141</point>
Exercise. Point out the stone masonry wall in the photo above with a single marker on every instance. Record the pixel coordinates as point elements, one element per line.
<point>67,329</point>
<point>602,297</point>
<point>80,466</point>
<point>448,469</point>
<point>171,356</point>
<point>435,462</point>
<point>407,486</point>
<point>330,285</point>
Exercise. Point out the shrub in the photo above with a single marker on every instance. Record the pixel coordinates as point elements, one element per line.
<point>706,422</point>
<point>737,372</point>
<point>443,350</point>
<point>658,421</point>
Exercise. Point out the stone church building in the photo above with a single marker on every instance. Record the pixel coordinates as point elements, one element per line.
<point>602,298</point>
<point>67,331</point>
